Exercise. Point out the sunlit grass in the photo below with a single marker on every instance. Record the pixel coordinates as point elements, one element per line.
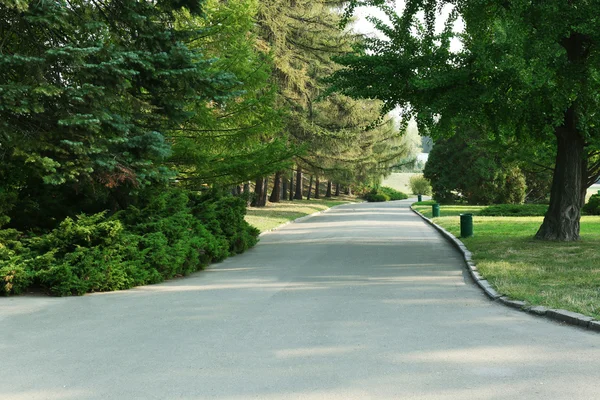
<point>398,181</point>
<point>275,214</point>
<point>552,274</point>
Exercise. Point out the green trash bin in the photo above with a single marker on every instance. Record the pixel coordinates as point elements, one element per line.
<point>435,210</point>
<point>420,198</point>
<point>466,225</point>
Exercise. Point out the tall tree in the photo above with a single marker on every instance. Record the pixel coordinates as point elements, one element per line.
<point>89,92</point>
<point>526,70</point>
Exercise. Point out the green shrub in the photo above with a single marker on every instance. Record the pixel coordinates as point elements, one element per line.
<point>376,197</point>
<point>393,194</point>
<point>174,233</point>
<point>515,210</point>
<point>592,207</point>
<point>419,185</point>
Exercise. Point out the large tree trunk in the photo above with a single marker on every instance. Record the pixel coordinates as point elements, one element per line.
<point>284,187</point>
<point>292,186</point>
<point>562,219</point>
<point>258,190</point>
<point>298,195</point>
<point>309,187</point>
<point>263,199</point>
<point>337,189</point>
<point>317,184</point>
<point>276,193</point>
<point>328,194</point>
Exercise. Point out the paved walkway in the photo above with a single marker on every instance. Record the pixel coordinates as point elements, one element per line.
<point>363,302</point>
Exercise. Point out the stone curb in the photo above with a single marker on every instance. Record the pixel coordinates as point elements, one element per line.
<point>568,317</point>
<point>303,218</point>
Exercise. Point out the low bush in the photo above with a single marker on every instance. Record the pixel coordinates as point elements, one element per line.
<point>173,234</point>
<point>393,194</point>
<point>592,207</point>
<point>514,210</point>
<point>419,185</point>
<point>376,197</point>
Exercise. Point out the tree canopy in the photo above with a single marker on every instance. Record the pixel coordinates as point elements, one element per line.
<point>525,71</point>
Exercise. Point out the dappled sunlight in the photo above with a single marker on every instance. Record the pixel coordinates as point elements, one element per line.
<point>484,355</point>
<point>313,351</point>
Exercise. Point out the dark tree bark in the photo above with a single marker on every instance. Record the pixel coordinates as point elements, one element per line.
<point>337,189</point>
<point>258,190</point>
<point>265,191</point>
<point>276,193</point>
<point>317,184</point>
<point>562,219</point>
<point>309,187</point>
<point>284,187</point>
<point>298,195</point>
<point>246,187</point>
<point>328,194</point>
<point>292,186</point>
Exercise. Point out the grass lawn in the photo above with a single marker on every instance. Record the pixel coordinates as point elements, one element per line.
<point>398,181</point>
<point>552,274</point>
<point>275,214</point>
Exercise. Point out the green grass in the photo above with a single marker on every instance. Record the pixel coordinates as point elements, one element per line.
<point>398,181</point>
<point>424,207</point>
<point>275,214</point>
<point>552,274</point>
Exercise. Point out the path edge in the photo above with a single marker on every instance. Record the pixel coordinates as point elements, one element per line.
<point>300,219</point>
<point>563,316</point>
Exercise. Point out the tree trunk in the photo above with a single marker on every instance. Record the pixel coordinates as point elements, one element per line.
<point>337,189</point>
<point>348,190</point>
<point>284,187</point>
<point>317,183</point>
<point>246,187</point>
<point>265,191</point>
<point>276,193</point>
<point>309,187</point>
<point>328,194</point>
<point>562,219</point>
<point>298,195</point>
<point>292,186</point>
<point>258,190</point>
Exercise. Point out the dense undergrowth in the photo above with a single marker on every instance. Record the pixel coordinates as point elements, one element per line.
<point>383,193</point>
<point>175,233</point>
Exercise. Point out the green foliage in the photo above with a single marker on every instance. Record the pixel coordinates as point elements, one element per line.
<point>592,207</point>
<point>419,185</point>
<point>84,112</point>
<point>393,194</point>
<point>514,210</point>
<point>376,197</point>
<point>465,167</point>
<point>174,233</point>
<point>524,71</point>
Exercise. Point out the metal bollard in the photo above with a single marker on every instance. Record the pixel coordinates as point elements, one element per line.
<point>466,225</point>
<point>420,198</point>
<point>435,210</point>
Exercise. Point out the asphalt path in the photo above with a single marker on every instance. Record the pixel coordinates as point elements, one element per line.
<point>362,302</point>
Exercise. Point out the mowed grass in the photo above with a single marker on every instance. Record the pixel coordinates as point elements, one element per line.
<point>551,274</point>
<point>398,181</point>
<point>275,214</point>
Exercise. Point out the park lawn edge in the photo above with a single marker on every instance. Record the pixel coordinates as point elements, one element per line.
<point>559,315</point>
<point>277,222</point>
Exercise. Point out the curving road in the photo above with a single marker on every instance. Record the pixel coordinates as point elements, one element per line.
<point>363,302</point>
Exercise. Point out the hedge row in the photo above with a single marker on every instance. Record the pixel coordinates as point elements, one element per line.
<point>175,234</point>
